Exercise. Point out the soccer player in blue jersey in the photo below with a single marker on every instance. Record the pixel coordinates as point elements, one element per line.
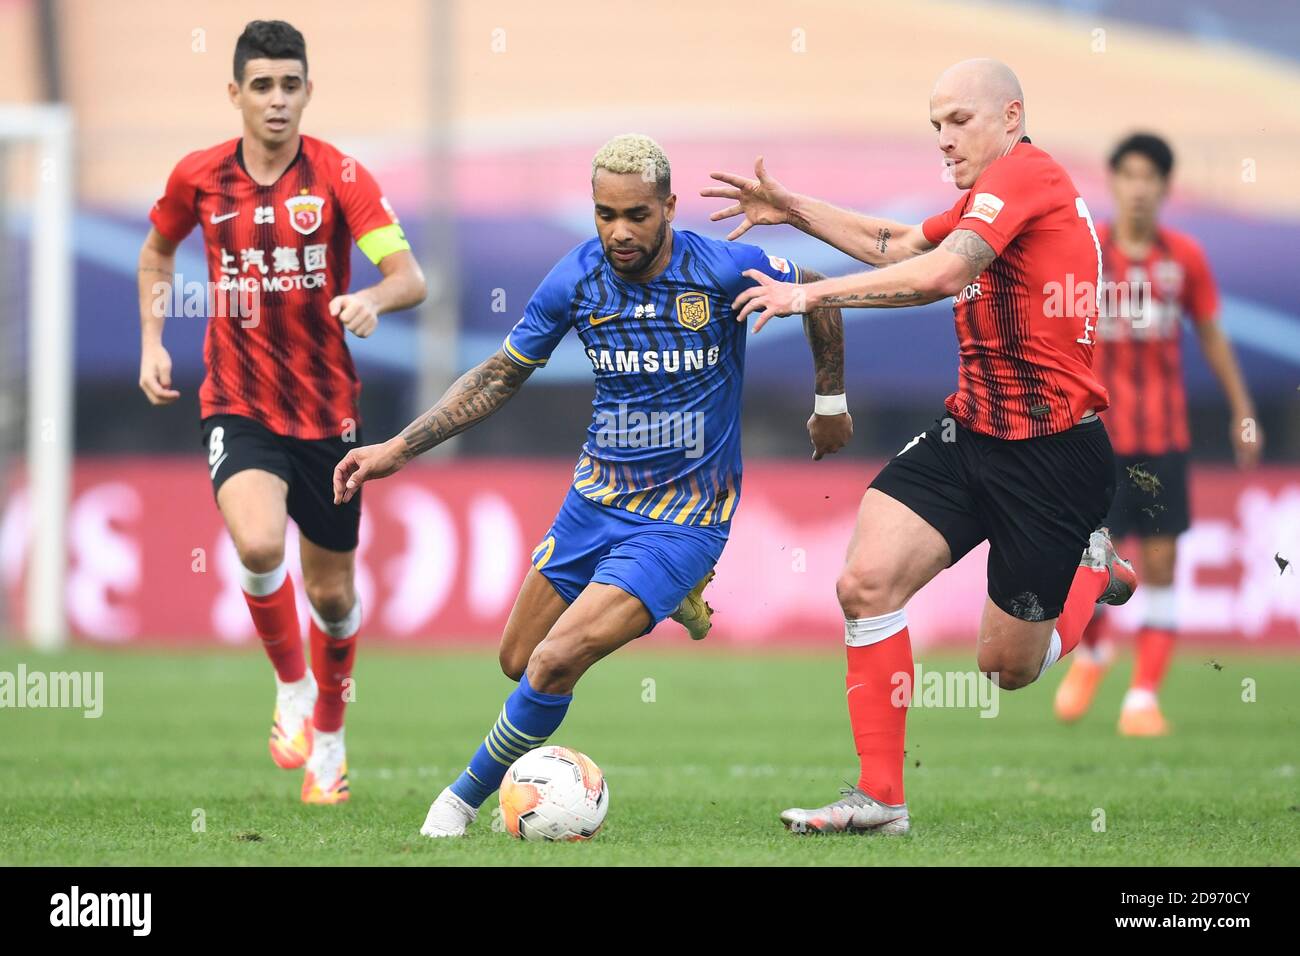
<point>656,485</point>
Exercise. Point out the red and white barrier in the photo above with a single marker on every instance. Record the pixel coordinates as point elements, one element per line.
<point>444,547</point>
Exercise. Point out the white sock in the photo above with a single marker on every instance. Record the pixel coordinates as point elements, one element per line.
<point>1139,698</point>
<point>862,631</point>
<point>1100,653</point>
<point>1053,654</point>
<point>1161,609</point>
<point>339,630</point>
<point>260,584</point>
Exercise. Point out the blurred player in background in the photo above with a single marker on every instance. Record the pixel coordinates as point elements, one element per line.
<point>649,511</point>
<point>279,212</point>
<point>1154,277</point>
<point>1019,457</point>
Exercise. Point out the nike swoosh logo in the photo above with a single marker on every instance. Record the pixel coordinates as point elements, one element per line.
<point>596,321</point>
<point>853,688</point>
<point>214,218</point>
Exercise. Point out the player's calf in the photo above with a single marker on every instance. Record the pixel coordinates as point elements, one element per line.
<point>603,619</point>
<point>513,662</point>
<point>537,608</point>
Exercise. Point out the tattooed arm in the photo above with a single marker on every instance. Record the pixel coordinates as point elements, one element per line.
<point>939,273</point>
<point>763,201</point>
<point>473,397</point>
<point>824,329</point>
<point>943,272</point>
<point>869,239</point>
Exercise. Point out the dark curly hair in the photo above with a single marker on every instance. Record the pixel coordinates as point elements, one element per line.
<point>270,40</point>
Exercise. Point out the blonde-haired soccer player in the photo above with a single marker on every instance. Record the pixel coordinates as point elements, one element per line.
<point>650,506</point>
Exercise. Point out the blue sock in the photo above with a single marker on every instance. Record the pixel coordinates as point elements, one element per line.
<point>527,719</point>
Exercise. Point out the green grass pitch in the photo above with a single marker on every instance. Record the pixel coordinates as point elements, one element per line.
<point>697,775</point>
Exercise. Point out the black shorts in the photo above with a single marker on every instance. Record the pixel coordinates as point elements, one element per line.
<point>1035,500</point>
<point>1150,496</point>
<point>236,443</point>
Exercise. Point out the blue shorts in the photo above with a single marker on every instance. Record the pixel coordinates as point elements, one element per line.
<point>657,562</point>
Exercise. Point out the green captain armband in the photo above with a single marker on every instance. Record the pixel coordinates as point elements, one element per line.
<point>380,243</point>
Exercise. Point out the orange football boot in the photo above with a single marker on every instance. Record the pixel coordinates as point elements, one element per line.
<point>1075,694</point>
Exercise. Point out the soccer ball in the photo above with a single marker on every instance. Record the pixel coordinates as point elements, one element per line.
<point>554,793</point>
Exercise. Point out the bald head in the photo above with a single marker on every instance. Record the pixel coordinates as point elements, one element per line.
<point>987,81</point>
<point>978,109</point>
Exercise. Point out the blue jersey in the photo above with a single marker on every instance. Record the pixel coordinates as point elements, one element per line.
<point>669,358</point>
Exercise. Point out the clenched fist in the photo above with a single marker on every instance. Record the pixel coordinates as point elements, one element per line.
<point>357,312</point>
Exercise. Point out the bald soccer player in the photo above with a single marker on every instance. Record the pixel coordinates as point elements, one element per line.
<point>1018,457</point>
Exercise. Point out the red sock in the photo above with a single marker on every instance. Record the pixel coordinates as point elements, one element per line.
<point>1155,645</point>
<point>275,616</point>
<point>331,662</point>
<point>1079,605</point>
<point>878,713</point>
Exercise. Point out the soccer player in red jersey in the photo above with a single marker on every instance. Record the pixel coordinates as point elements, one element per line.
<point>279,212</point>
<point>1154,276</point>
<point>1020,458</point>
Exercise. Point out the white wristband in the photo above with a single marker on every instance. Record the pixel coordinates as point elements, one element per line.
<point>830,404</point>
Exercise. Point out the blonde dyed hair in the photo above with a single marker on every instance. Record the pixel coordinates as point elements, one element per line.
<point>635,153</point>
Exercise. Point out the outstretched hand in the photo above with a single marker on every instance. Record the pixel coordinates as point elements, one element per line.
<point>762,200</point>
<point>769,298</point>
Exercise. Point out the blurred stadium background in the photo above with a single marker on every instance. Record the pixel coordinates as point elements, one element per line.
<point>479,120</point>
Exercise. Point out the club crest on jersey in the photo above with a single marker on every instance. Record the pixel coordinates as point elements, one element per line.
<point>693,310</point>
<point>305,213</point>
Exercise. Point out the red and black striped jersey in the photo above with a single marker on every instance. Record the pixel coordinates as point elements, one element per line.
<point>1026,326</point>
<point>276,257</point>
<point>1139,348</point>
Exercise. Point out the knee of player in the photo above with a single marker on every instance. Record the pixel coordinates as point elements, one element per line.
<point>261,556</point>
<point>333,601</point>
<point>554,667</point>
<point>1007,674</point>
<point>865,592</point>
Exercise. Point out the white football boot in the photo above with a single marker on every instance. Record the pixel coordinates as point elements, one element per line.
<point>326,779</point>
<point>291,732</point>
<point>448,816</point>
<point>855,812</point>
